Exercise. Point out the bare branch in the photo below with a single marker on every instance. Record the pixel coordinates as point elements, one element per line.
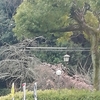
<point>17,64</point>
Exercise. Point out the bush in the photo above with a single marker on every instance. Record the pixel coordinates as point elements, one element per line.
<point>63,94</point>
<point>4,92</point>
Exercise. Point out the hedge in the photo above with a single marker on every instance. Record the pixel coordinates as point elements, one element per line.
<point>63,94</point>
<point>4,91</point>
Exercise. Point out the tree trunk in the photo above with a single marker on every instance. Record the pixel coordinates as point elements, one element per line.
<point>95,60</point>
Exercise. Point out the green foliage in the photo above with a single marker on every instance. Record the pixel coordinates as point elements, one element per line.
<point>33,19</point>
<point>65,37</point>
<point>91,19</point>
<point>63,94</point>
<point>50,56</point>
<point>37,17</point>
<point>7,9</point>
<point>55,57</point>
<point>4,91</point>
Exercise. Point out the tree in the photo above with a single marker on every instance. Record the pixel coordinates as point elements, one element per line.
<point>7,10</point>
<point>17,64</point>
<point>91,31</point>
<point>35,17</point>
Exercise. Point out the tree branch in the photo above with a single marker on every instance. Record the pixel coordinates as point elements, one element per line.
<point>78,15</point>
<point>75,27</point>
<point>69,28</point>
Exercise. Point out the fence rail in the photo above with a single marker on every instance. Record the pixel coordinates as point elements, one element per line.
<point>58,48</point>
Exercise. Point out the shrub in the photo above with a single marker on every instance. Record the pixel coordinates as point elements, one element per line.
<point>4,92</point>
<point>63,94</point>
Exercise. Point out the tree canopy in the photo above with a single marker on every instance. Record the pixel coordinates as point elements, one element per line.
<point>16,64</point>
<point>7,10</point>
<point>35,17</point>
